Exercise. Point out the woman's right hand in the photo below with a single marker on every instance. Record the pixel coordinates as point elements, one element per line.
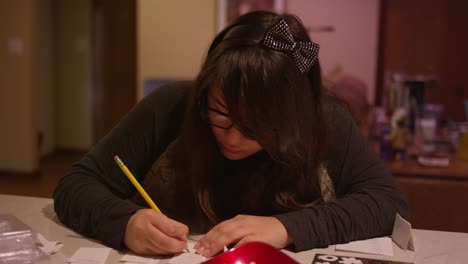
<point>150,232</point>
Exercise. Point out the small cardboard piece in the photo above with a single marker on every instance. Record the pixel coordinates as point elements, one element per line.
<point>402,235</point>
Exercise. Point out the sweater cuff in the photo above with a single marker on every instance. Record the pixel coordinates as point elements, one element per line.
<point>114,230</point>
<point>302,227</point>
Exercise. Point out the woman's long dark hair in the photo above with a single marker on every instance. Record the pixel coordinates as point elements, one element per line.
<point>266,93</point>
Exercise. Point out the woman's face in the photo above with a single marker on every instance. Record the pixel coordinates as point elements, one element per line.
<point>231,142</point>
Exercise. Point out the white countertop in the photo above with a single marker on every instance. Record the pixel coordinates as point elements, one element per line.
<point>38,213</point>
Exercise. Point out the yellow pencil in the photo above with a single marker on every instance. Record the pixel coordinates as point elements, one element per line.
<point>136,184</point>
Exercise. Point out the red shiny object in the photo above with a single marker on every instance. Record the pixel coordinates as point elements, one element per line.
<point>252,253</point>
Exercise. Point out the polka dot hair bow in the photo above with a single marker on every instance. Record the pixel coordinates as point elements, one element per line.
<point>279,37</point>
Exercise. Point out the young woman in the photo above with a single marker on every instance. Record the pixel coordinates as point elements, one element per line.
<point>263,153</point>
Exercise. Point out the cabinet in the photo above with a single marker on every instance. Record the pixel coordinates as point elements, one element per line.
<point>437,197</point>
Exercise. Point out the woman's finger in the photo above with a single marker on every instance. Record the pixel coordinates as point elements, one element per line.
<point>169,226</point>
<point>164,244</point>
<point>225,233</point>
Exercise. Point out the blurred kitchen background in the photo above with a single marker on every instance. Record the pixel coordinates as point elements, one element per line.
<point>71,69</point>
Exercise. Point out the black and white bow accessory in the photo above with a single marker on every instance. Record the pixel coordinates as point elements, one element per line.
<point>279,37</point>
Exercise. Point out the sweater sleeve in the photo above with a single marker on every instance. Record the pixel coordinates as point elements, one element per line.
<point>92,198</point>
<point>367,195</point>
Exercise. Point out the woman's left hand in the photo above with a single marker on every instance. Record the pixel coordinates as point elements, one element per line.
<point>242,229</point>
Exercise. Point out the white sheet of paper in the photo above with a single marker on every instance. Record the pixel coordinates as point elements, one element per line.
<point>187,258</point>
<point>190,245</point>
<point>90,255</point>
<point>49,247</point>
<point>131,258</point>
<point>378,246</point>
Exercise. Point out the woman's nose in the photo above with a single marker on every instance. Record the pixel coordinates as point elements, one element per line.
<point>233,136</point>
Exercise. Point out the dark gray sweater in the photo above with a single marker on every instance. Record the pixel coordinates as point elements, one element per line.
<point>93,198</point>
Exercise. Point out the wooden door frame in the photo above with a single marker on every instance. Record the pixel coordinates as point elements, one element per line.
<point>114,56</point>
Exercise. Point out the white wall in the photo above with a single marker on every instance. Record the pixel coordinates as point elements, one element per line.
<point>353,44</point>
<point>172,38</point>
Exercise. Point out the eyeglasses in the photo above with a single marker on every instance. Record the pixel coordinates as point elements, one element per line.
<point>218,119</point>
<point>221,120</point>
